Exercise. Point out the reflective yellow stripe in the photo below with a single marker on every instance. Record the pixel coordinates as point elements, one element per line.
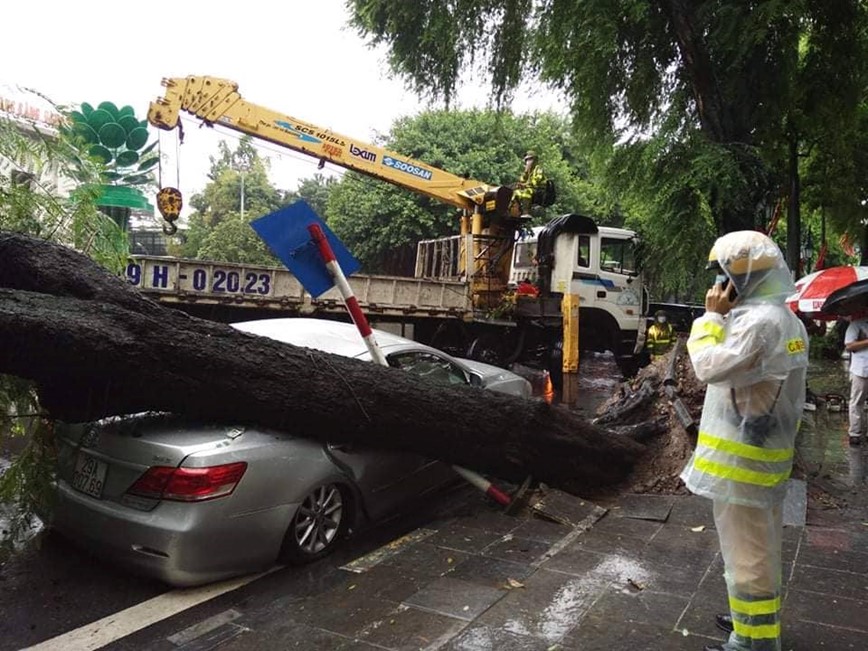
<point>764,607</point>
<point>707,329</point>
<point>740,474</point>
<point>760,632</point>
<point>744,450</point>
<point>704,334</point>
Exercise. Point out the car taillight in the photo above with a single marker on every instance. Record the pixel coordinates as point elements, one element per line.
<point>189,484</point>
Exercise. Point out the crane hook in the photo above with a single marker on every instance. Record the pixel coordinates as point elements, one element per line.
<point>169,203</point>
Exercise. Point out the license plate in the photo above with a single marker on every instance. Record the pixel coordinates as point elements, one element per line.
<point>89,475</point>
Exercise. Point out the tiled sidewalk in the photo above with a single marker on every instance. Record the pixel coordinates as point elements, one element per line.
<point>486,580</point>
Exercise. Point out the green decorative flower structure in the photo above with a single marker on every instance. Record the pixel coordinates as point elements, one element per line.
<point>117,138</point>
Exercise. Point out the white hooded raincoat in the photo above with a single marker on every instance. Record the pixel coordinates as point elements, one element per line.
<point>754,361</point>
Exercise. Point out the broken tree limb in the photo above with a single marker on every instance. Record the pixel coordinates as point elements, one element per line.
<point>95,347</point>
<point>670,388</point>
<point>633,402</point>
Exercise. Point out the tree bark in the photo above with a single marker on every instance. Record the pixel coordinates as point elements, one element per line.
<point>96,347</point>
<point>697,64</point>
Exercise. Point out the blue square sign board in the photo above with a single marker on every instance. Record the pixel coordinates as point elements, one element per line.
<point>285,232</point>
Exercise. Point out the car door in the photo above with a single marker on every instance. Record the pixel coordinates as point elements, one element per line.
<point>390,478</point>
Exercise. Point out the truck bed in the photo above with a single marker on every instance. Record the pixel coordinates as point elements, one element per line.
<point>170,279</point>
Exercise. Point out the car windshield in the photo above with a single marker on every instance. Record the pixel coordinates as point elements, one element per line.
<point>429,366</point>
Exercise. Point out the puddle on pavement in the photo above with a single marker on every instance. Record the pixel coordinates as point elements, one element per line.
<point>622,571</point>
<point>567,605</point>
<point>562,612</point>
<point>822,443</point>
<point>599,377</point>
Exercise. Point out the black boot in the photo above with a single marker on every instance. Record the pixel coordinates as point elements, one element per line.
<point>724,622</point>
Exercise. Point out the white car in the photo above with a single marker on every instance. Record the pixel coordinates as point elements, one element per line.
<point>190,502</point>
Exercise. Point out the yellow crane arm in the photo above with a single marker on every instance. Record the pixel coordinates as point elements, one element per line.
<point>217,101</point>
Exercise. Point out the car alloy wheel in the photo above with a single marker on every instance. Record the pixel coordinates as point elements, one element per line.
<point>318,523</point>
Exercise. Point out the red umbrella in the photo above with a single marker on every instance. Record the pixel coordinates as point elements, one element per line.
<point>813,290</point>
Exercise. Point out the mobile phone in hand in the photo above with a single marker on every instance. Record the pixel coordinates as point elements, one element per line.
<point>727,286</point>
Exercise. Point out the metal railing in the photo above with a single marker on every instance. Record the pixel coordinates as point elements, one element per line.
<point>448,258</point>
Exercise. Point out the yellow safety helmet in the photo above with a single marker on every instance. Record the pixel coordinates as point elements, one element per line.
<point>744,252</point>
<point>751,260</point>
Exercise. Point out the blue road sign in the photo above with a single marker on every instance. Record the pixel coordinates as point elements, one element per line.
<point>285,232</point>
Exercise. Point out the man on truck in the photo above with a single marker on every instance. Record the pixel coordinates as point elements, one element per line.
<point>531,180</point>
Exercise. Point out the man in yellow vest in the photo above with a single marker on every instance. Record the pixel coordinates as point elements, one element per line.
<point>752,352</point>
<point>661,335</point>
<point>532,179</point>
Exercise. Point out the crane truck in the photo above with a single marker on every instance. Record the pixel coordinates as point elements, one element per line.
<point>462,298</point>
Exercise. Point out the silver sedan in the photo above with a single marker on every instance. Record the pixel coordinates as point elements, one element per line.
<point>191,502</point>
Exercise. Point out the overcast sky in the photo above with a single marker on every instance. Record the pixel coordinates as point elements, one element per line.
<point>296,57</point>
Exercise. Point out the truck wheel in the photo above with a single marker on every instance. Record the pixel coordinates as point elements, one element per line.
<point>487,348</point>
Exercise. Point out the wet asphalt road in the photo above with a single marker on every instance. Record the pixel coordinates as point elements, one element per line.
<point>54,587</point>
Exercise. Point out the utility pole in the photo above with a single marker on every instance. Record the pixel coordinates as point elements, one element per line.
<point>242,194</point>
<point>242,165</point>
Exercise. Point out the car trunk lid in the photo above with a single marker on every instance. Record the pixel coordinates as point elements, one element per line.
<point>103,459</point>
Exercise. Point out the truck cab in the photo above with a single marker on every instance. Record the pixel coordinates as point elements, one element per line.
<point>600,264</point>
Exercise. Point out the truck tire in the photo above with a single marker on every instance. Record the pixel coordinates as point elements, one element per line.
<point>489,347</point>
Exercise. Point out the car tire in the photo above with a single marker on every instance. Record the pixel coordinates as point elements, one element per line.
<point>318,525</point>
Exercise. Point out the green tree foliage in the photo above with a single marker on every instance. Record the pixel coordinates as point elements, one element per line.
<point>47,190</point>
<point>233,240</point>
<point>34,165</point>
<point>316,190</point>
<point>217,229</point>
<point>703,100</point>
<point>830,120</point>
<point>381,223</point>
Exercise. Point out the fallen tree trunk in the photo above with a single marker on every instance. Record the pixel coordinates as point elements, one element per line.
<point>96,347</point>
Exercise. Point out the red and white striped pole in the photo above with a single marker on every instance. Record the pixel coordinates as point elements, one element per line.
<point>484,485</point>
<point>337,274</point>
<point>358,317</point>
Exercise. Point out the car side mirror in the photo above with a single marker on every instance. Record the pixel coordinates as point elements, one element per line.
<point>475,380</point>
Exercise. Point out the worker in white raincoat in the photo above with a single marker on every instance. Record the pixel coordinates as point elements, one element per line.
<point>752,352</point>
